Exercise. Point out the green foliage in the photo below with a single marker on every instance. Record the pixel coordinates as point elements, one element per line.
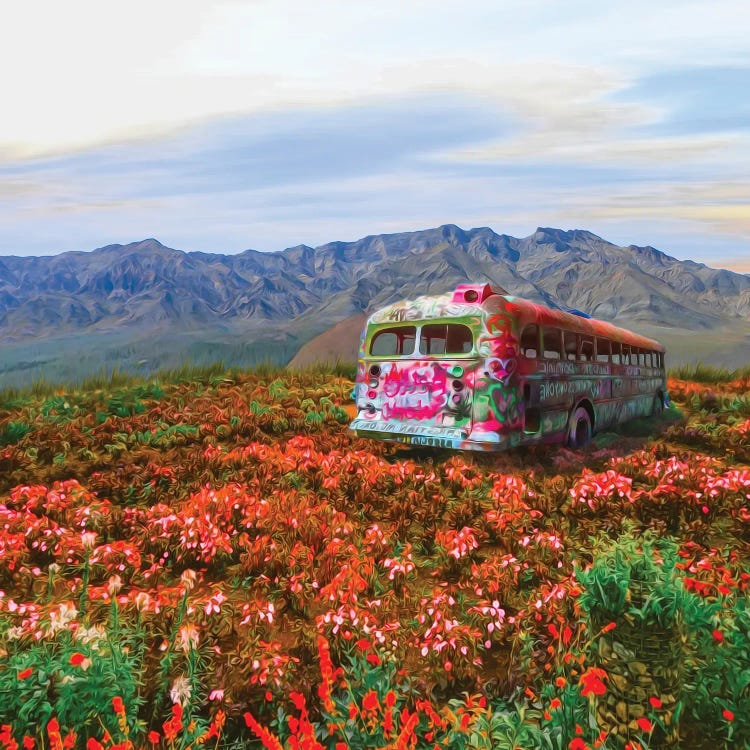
<point>634,578</point>
<point>13,432</point>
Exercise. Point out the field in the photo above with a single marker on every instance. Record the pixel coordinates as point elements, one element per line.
<point>208,559</point>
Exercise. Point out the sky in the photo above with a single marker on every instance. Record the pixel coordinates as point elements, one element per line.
<point>223,126</point>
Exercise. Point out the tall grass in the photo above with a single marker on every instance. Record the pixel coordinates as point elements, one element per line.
<point>699,372</point>
<point>13,397</point>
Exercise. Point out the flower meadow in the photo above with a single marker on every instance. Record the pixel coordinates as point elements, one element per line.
<point>218,563</point>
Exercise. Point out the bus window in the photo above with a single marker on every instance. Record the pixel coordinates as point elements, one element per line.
<point>616,353</point>
<point>393,342</point>
<point>530,342</point>
<point>552,339</point>
<point>602,350</point>
<point>641,358</point>
<point>570,340</point>
<point>587,348</point>
<point>445,338</point>
<point>649,359</point>
<point>625,354</point>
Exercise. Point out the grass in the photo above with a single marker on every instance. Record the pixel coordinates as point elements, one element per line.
<point>188,372</point>
<point>703,373</point>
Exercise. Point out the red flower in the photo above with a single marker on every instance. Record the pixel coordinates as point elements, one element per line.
<point>77,659</point>
<point>93,744</point>
<point>645,724</point>
<point>718,636</point>
<point>28,742</point>
<point>298,699</point>
<point>25,674</point>
<point>727,714</point>
<point>364,644</point>
<point>373,659</point>
<point>561,682</point>
<point>269,696</point>
<point>555,703</point>
<point>609,627</point>
<point>591,682</point>
<point>117,705</point>
<point>154,737</point>
<point>370,701</point>
<point>654,701</point>
<point>390,699</point>
<point>577,744</point>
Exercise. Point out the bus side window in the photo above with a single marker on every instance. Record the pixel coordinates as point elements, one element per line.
<point>530,342</point>
<point>552,340</point>
<point>626,354</point>
<point>616,353</point>
<point>571,345</point>
<point>649,359</point>
<point>641,358</point>
<point>587,348</point>
<point>602,350</point>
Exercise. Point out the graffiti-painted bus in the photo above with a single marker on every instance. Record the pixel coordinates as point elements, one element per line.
<point>480,369</point>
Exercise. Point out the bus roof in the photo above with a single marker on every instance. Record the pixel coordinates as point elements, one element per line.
<point>473,299</point>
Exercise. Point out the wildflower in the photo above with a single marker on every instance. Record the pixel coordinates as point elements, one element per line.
<point>77,659</point>
<point>654,701</point>
<point>188,579</point>
<point>88,540</point>
<point>718,636</point>
<point>370,701</point>
<point>298,699</point>
<point>25,674</point>
<point>28,742</point>
<point>180,692</point>
<point>154,737</point>
<point>591,682</point>
<point>142,601</point>
<point>117,705</point>
<point>560,682</point>
<point>577,744</point>
<point>727,714</point>
<point>609,627</point>
<point>94,744</point>
<point>645,724</point>
<point>216,695</point>
<point>114,585</point>
<point>269,741</point>
<point>373,659</point>
<point>188,637</point>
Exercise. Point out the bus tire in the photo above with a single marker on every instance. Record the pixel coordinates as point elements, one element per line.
<point>579,428</point>
<point>657,407</point>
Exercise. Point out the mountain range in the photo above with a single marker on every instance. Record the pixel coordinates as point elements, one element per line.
<point>149,305</point>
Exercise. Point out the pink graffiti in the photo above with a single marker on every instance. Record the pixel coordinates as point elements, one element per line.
<point>414,392</point>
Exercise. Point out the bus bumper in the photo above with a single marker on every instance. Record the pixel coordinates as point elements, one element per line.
<point>422,435</point>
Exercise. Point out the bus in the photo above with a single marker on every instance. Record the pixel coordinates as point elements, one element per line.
<point>481,369</point>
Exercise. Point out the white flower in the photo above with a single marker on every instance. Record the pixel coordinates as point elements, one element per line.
<point>180,692</point>
<point>88,540</point>
<point>188,637</point>
<point>114,585</point>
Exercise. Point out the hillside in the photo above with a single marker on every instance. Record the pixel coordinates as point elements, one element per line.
<point>146,305</point>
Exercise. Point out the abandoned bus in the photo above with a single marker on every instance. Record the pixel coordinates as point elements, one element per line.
<point>480,369</point>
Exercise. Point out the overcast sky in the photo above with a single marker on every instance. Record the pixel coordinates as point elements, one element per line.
<point>222,126</point>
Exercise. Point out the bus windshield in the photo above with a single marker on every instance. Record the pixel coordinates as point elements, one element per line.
<point>434,339</point>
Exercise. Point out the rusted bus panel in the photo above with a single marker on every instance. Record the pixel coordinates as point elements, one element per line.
<point>530,312</point>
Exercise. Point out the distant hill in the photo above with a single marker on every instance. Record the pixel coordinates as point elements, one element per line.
<point>146,305</point>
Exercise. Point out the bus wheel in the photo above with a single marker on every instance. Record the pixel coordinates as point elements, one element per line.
<point>579,428</point>
<point>657,407</point>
